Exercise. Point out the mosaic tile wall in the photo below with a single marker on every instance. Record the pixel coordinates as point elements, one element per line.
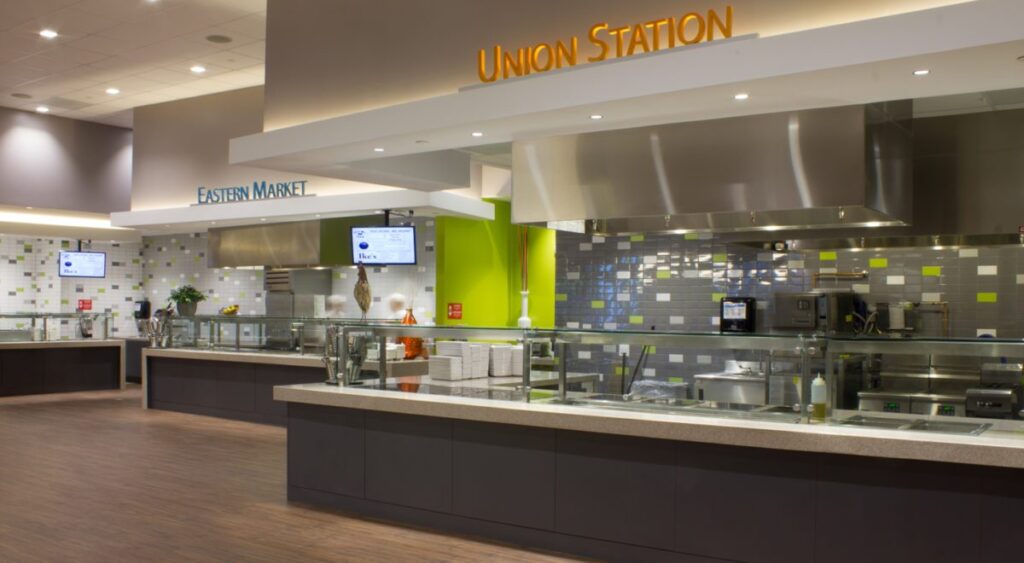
<point>415,283</point>
<point>29,281</point>
<point>674,282</point>
<point>117,293</point>
<point>174,260</point>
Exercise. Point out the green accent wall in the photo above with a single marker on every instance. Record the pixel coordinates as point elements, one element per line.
<point>478,266</point>
<point>540,274</point>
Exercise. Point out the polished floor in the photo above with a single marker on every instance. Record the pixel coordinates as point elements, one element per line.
<point>93,477</point>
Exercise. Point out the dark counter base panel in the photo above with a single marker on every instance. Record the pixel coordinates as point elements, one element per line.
<point>36,371</point>
<point>233,390</point>
<point>629,499</point>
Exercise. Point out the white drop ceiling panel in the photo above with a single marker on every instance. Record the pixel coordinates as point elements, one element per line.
<point>144,48</point>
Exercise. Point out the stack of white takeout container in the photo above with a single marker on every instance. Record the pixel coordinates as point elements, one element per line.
<point>445,368</point>
<point>479,359</point>
<point>517,360</point>
<point>501,360</point>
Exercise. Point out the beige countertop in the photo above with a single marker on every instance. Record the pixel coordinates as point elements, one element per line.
<point>253,357</point>
<point>84,343</point>
<point>997,449</point>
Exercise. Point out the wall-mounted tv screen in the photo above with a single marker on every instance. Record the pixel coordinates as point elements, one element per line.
<point>384,246</point>
<point>83,264</point>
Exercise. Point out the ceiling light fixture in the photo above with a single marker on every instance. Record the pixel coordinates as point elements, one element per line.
<point>922,72</point>
<point>596,116</point>
<point>477,133</point>
<point>113,91</point>
<point>198,69</point>
<point>378,149</point>
<point>741,96</point>
<point>48,34</point>
<point>42,109</point>
<point>263,218</point>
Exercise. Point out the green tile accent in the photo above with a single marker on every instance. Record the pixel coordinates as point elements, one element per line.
<point>664,274</point>
<point>597,304</point>
<point>931,271</point>
<point>537,394</point>
<point>675,380</point>
<point>692,236</point>
<point>101,290</point>
<point>716,297</point>
<point>720,258</point>
<point>561,297</point>
<point>63,301</point>
<point>636,238</point>
<point>652,349</point>
<point>636,319</point>
<point>827,256</point>
<point>878,263</point>
<point>136,261</point>
<point>20,258</point>
<point>988,297</point>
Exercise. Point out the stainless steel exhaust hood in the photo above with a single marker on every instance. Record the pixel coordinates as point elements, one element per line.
<point>822,168</point>
<point>303,244</point>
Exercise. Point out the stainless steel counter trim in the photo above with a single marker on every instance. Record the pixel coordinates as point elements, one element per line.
<point>1003,451</point>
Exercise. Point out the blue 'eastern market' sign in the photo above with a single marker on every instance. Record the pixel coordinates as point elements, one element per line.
<point>260,189</point>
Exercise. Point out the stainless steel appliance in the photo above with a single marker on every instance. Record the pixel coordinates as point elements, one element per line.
<point>1000,392</point>
<point>294,293</point>
<point>744,383</point>
<point>831,312</point>
<point>912,403</point>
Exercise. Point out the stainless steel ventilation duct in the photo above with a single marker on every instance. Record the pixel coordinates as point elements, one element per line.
<point>823,168</point>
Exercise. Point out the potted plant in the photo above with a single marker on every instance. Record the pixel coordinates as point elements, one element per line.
<point>186,298</point>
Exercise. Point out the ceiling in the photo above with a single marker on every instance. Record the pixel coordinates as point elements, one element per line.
<point>672,86</point>
<point>143,48</point>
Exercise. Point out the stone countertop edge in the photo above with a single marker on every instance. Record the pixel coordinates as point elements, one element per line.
<point>35,345</point>
<point>230,356</point>
<point>814,438</point>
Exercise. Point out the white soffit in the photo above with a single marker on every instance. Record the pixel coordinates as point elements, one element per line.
<point>969,47</point>
<point>198,218</point>
<point>55,223</point>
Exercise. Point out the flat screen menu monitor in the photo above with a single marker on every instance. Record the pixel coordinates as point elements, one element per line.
<point>83,264</point>
<point>384,246</point>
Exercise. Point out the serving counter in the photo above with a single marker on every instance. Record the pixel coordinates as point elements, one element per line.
<point>61,366</point>
<point>651,479</point>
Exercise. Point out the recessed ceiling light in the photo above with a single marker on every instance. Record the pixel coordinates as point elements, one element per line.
<point>21,95</point>
<point>596,116</point>
<point>113,91</point>
<point>29,207</point>
<point>42,109</point>
<point>378,149</point>
<point>741,96</point>
<point>477,134</point>
<point>48,34</point>
<point>922,72</point>
<point>263,218</point>
<point>218,39</point>
<point>198,69</point>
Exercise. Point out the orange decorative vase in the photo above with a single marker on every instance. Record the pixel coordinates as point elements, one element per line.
<point>413,346</point>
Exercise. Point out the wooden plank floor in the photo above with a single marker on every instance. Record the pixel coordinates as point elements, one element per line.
<point>93,477</point>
